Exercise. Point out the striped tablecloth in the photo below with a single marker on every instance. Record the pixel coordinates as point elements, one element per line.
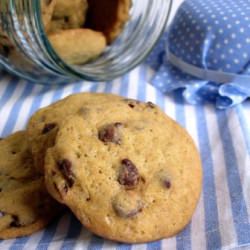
<point>222,218</point>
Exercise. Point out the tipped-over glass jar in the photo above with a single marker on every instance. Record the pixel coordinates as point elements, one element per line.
<point>25,50</point>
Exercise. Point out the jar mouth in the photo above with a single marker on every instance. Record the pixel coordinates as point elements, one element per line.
<point>148,21</point>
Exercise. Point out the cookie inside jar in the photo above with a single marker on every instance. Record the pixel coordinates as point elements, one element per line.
<point>80,30</point>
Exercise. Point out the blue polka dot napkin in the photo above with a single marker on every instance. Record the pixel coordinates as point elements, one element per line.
<point>207,52</point>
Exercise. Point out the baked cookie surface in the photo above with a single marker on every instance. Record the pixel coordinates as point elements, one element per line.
<point>77,46</point>
<point>43,125</point>
<point>25,205</point>
<point>126,170</point>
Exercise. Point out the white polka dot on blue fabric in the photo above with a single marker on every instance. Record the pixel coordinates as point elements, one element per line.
<point>223,56</point>
<point>245,55</point>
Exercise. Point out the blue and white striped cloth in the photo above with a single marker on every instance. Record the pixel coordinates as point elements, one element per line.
<point>222,218</point>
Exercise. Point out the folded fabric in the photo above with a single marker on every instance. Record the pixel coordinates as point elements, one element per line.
<point>207,52</point>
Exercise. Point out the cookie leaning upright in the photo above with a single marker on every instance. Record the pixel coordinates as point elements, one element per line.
<point>126,170</point>
<point>25,205</point>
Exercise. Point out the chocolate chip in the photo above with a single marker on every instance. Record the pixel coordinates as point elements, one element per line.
<point>110,133</point>
<point>48,127</point>
<point>1,138</point>
<point>65,167</point>
<point>118,124</point>
<point>128,175</point>
<point>127,205</point>
<point>15,222</point>
<point>1,214</point>
<point>151,105</point>
<point>65,189</point>
<point>127,214</point>
<point>131,102</point>
<point>84,111</point>
<point>66,19</point>
<point>167,183</point>
<point>143,180</point>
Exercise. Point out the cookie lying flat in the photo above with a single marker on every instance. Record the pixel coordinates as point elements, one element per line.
<point>25,205</point>
<point>128,172</point>
<point>78,46</point>
<point>108,17</point>
<point>43,125</point>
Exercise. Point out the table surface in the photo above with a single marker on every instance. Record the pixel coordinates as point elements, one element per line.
<point>222,218</point>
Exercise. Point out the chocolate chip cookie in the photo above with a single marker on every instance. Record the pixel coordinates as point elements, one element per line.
<point>25,205</point>
<point>43,125</point>
<point>77,46</point>
<point>126,170</point>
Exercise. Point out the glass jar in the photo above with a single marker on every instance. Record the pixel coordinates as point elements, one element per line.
<point>26,51</point>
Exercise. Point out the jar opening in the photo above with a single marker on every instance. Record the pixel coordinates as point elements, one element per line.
<point>148,21</point>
